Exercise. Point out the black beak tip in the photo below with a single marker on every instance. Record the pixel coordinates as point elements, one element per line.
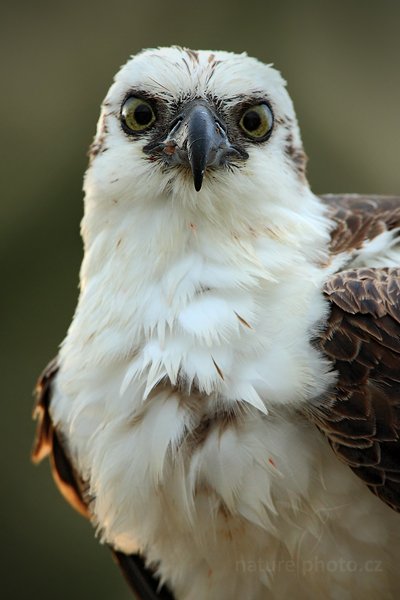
<point>198,179</point>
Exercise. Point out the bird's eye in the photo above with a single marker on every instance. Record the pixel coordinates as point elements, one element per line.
<point>257,121</point>
<point>137,115</point>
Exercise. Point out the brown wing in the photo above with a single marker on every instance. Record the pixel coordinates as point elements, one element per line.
<point>360,218</point>
<point>361,419</point>
<point>48,442</point>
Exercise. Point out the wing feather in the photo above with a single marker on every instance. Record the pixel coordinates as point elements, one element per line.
<point>359,218</point>
<point>361,417</point>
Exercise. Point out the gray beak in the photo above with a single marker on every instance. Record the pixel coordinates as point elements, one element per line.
<point>198,140</point>
<point>206,142</point>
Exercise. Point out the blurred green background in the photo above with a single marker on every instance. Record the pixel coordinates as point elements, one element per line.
<point>341,59</point>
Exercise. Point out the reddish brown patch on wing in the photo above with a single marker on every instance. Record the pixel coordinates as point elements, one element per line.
<point>47,442</point>
<point>43,437</point>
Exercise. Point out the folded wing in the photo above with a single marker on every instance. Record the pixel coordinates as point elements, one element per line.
<point>361,416</point>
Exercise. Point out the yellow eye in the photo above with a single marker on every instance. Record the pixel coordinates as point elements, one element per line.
<point>257,121</point>
<point>137,114</point>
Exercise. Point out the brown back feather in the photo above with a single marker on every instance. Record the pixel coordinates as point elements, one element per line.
<point>359,218</point>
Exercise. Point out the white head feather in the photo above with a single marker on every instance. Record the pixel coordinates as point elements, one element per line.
<point>121,169</point>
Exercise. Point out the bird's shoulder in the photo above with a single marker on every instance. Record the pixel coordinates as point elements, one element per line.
<point>358,218</point>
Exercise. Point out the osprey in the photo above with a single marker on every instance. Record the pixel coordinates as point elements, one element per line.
<point>228,393</point>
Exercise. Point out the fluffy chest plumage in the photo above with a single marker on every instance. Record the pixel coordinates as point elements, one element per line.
<point>211,313</point>
<point>179,392</point>
<point>164,358</point>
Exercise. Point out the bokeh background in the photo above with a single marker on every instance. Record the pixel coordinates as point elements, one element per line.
<point>341,59</point>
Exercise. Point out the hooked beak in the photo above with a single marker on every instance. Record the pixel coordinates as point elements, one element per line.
<point>197,139</point>
<point>205,141</point>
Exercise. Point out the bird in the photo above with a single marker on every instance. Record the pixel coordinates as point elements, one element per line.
<point>225,407</point>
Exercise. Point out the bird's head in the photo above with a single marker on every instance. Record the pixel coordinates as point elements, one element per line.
<point>196,126</point>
